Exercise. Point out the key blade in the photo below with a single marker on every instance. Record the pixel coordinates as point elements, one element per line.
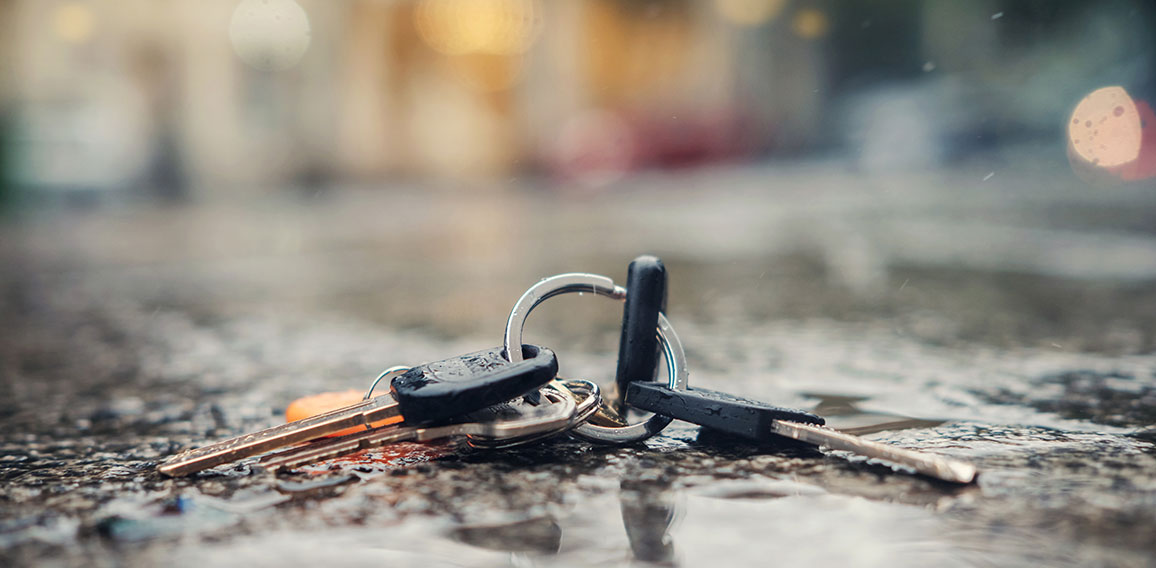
<point>946,469</point>
<point>329,448</point>
<point>558,412</point>
<point>496,426</point>
<point>382,408</point>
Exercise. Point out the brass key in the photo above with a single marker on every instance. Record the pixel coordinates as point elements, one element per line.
<point>429,393</point>
<point>512,423</point>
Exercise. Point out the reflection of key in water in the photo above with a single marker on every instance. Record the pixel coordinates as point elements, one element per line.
<point>540,535</point>
<point>648,511</point>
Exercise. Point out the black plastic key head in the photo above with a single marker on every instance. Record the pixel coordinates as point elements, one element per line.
<point>638,344</point>
<point>441,390</point>
<point>766,423</point>
<point>716,410</point>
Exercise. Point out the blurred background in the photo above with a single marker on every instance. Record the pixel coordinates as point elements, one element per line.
<point>892,212</point>
<point>195,99</point>
<point>360,153</point>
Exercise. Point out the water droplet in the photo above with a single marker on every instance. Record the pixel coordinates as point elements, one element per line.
<point>1088,124</point>
<point>1119,111</point>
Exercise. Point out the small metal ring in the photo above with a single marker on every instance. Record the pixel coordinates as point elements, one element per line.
<point>589,404</point>
<point>390,372</point>
<point>602,286</point>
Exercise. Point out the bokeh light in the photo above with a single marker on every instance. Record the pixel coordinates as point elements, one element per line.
<point>73,22</point>
<point>460,27</point>
<point>270,34</point>
<point>486,72</point>
<point>595,148</point>
<point>1112,136</point>
<point>749,13</point>
<point>810,24</point>
<point>1104,129</point>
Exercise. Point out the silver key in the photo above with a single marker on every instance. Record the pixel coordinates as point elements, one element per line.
<point>764,422</point>
<point>497,426</point>
<point>589,399</point>
<point>935,466</point>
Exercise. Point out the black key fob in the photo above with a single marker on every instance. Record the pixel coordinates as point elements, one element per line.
<point>459,385</point>
<point>638,343</point>
<point>717,410</point>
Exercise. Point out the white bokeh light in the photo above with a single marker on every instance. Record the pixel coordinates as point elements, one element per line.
<point>269,34</point>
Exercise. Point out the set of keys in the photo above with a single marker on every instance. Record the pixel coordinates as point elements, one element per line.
<point>511,395</point>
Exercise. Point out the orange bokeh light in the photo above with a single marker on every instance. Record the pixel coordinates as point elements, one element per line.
<point>460,27</point>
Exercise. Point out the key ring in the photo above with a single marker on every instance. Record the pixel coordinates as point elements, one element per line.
<point>390,372</point>
<point>602,286</point>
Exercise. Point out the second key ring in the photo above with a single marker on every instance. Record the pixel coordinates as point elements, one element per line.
<point>600,285</point>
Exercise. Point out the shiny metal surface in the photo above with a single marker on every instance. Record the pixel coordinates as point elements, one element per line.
<point>513,421</point>
<point>589,399</point>
<point>672,350</point>
<point>389,373</point>
<point>945,469</point>
<point>363,413</point>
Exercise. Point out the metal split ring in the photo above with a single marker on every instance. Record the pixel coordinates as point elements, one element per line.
<point>391,373</point>
<point>600,285</point>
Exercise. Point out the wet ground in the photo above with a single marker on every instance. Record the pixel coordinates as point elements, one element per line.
<point>1007,319</point>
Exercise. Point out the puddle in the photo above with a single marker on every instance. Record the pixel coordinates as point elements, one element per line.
<point>842,413</point>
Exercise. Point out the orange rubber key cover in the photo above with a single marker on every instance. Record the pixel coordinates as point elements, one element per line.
<point>313,405</point>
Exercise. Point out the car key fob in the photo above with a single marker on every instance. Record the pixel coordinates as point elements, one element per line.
<point>441,390</point>
<point>716,410</point>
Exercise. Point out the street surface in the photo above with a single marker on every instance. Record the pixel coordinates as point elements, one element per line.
<point>1001,314</point>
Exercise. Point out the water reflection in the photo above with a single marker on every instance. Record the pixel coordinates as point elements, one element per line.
<point>843,414</point>
<point>745,522</point>
<point>538,535</point>
<point>648,510</point>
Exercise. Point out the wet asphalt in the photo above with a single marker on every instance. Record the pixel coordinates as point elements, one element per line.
<point>1009,320</point>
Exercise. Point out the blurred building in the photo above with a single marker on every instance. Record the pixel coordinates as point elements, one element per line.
<point>221,96</point>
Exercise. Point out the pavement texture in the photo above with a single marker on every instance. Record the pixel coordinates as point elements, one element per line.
<point>1005,319</point>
